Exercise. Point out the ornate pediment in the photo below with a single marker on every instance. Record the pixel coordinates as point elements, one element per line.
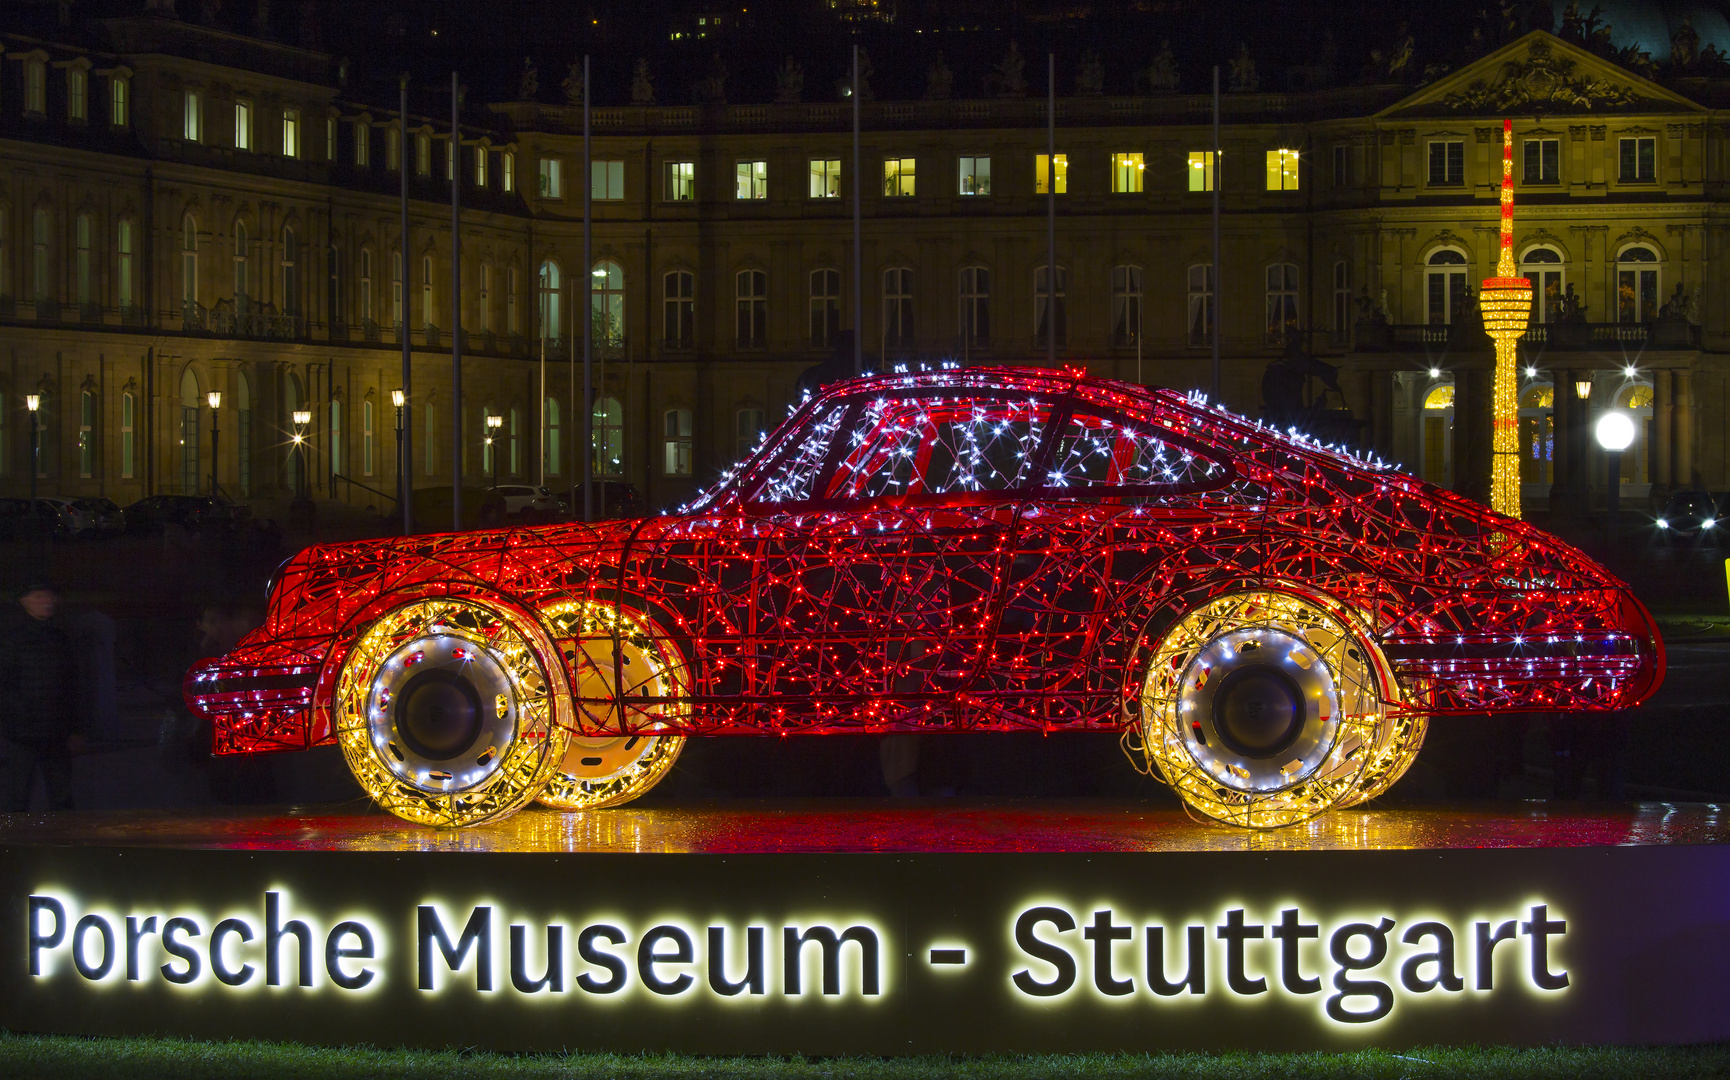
<point>1541,74</point>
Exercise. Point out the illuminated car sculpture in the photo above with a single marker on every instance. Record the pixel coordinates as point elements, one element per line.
<point>1268,622</point>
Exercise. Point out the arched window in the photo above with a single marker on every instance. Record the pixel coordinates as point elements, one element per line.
<point>608,427</point>
<point>337,457</point>
<point>83,270</point>
<point>366,315</point>
<point>1200,308</point>
<point>396,312</point>
<point>676,427</point>
<point>678,310</point>
<point>1125,305</point>
<point>41,287</point>
<point>290,272</point>
<point>188,260</point>
<point>125,293</point>
<point>1050,315</point>
<point>427,320</point>
<point>189,428</point>
<point>751,300</point>
<point>825,307</point>
<point>1438,434</point>
<point>550,322</point>
<point>86,435</point>
<point>485,299</point>
<point>1282,302</point>
<point>242,263</point>
<point>607,301</point>
<point>1537,432</point>
<point>975,306</point>
<point>128,428</point>
<point>1543,267</point>
<point>1445,280</point>
<point>1636,284</point>
<point>555,445</point>
<point>1635,399</point>
<point>243,430</point>
<point>366,437</point>
<point>897,307</point>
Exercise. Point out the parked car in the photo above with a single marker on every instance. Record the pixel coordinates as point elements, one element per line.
<point>33,520</point>
<point>1689,515</point>
<point>195,512</point>
<point>74,519</point>
<point>1272,624</point>
<point>530,504</point>
<point>482,509</point>
<point>107,518</point>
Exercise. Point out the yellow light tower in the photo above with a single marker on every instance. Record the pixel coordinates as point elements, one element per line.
<point>1506,302</point>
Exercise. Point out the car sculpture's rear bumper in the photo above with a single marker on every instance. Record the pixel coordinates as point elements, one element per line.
<point>256,699</point>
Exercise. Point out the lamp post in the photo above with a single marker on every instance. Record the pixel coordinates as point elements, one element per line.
<point>33,402</point>
<point>1506,301</point>
<point>493,425</point>
<point>302,417</point>
<point>396,399</point>
<point>215,400</point>
<point>1615,433</point>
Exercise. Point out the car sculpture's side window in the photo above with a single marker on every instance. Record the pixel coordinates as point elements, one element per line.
<point>1113,452</point>
<point>794,477</point>
<point>939,446</point>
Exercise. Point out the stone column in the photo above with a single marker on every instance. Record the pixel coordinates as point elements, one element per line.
<point>1658,460</point>
<point>1682,465</point>
<point>1562,402</point>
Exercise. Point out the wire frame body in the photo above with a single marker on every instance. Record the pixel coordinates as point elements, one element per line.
<point>982,549</point>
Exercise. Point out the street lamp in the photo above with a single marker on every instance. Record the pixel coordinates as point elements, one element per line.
<point>396,399</point>
<point>302,417</point>
<point>215,399</point>
<point>33,402</point>
<point>1583,388</point>
<point>493,425</point>
<point>1615,433</point>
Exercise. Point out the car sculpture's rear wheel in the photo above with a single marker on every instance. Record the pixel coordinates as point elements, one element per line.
<point>447,712</point>
<point>607,648</point>
<point>1263,709</point>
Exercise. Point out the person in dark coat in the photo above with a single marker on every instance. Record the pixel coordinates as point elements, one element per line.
<point>41,726</point>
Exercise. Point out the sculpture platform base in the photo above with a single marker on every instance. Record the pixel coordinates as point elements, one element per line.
<point>873,927</point>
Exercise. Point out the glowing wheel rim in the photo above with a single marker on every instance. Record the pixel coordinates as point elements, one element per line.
<point>1341,746</point>
<point>621,758</point>
<point>487,742</point>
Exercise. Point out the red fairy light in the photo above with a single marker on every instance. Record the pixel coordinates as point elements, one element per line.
<point>987,549</point>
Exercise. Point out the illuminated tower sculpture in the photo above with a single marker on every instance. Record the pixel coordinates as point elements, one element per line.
<point>1506,302</point>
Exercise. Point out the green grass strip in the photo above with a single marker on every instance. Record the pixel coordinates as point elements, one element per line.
<point>54,1056</point>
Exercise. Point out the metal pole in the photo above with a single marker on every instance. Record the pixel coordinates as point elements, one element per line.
<point>1215,330</point>
<point>588,277</point>
<point>405,438</point>
<point>1613,496</point>
<point>214,444</point>
<point>1051,209</point>
<point>541,332</point>
<point>35,456</point>
<point>858,251</point>
<point>456,311</point>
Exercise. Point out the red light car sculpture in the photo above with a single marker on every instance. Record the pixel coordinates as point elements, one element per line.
<point>1269,622</point>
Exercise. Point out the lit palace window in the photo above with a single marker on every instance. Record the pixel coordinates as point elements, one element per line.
<point>551,182</point>
<point>1200,170</point>
<point>975,176</point>
<point>243,125</point>
<point>1127,171</point>
<point>606,180</point>
<point>1042,172</point>
<point>825,178</point>
<point>679,181</point>
<point>751,180</point>
<point>1282,170</point>
<point>898,177</point>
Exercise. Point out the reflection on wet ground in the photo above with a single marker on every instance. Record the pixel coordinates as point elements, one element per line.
<point>838,825</point>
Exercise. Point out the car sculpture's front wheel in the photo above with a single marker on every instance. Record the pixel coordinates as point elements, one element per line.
<point>628,681</point>
<point>1265,709</point>
<point>446,711</point>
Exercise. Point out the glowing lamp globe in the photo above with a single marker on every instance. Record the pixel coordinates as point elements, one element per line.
<point>1615,431</point>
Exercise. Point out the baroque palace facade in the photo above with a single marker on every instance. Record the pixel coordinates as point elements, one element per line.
<point>186,210</point>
